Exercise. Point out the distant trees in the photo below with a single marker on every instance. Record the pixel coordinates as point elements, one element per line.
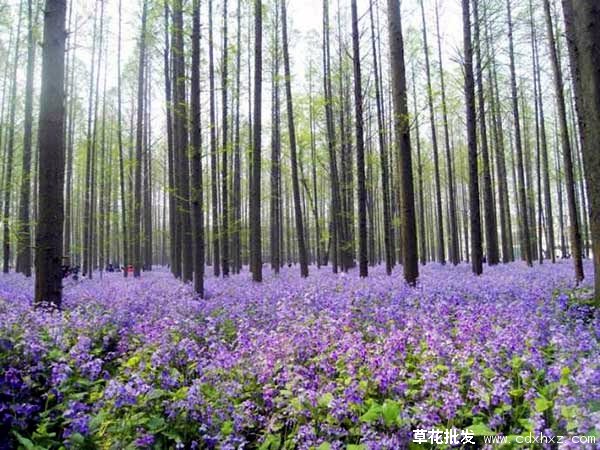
<point>339,183</point>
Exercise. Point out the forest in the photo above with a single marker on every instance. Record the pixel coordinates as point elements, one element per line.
<point>300,224</point>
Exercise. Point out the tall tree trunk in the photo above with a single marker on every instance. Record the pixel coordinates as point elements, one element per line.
<point>383,158</point>
<point>292,136</point>
<point>137,237</point>
<point>181,141</point>
<point>11,150</point>
<point>491,227</point>
<point>582,22</point>
<point>525,236</point>
<point>237,187</point>
<point>197,212</point>
<point>255,203</point>
<point>225,151</point>
<point>335,215</point>
<point>24,250</point>
<point>213,149</point>
<point>49,236</point>
<point>441,253</point>
<point>476,250</point>
<point>360,151</point>
<point>276,152</point>
<point>402,136</point>
<point>421,211</point>
<point>575,233</point>
<point>174,236</point>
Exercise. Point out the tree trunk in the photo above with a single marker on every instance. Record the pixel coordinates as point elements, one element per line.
<point>360,151</point>
<point>491,231</point>
<point>574,231</point>
<point>49,236</point>
<point>197,213</point>
<point>255,203</point>
<point>402,137</point>
<point>292,136</point>
<point>525,236</point>
<point>476,250</point>
<point>24,250</point>
<point>225,151</point>
<point>582,22</point>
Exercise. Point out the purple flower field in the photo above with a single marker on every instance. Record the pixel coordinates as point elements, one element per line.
<point>331,362</point>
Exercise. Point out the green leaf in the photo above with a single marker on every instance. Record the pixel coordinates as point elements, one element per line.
<point>156,423</point>
<point>326,399</point>
<point>227,428</point>
<point>372,414</point>
<point>526,424</point>
<point>272,442</point>
<point>24,441</point>
<point>542,404</point>
<point>133,361</point>
<point>390,411</point>
<point>356,447</point>
<point>480,429</point>
<point>324,446</point>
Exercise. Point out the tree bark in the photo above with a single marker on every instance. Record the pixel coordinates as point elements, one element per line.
<point>402,137</point>
<point>475,218</point>
<point>574,231</point>
<point>49,236</point>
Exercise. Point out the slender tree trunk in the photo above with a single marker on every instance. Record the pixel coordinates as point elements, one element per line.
<point>360,155</point>
<point>196,185</point>
<point>441,253</point>
<point>276,152</point>
<point>335,215</point>
<point>11,150</point>
<point>383,158</point>
<point>476,250</point>
<point>237,187</point>
<point>582,22</point>
<point>255,200</point>
<point>24,250</point>
<point>292,136</point>
<point>137,237</point>
<point>224,183</point>
<point>402,136</point>
<point>575,233</point>
<point>49,236</point>
<point>213,149</point>
<point>525,236</point>
<point>491,231</point>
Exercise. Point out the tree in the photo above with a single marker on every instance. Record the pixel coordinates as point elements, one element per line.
<point>402,142</point>
<point>575,233</point>
<point>24,248</point>
<point>10,151</point>
<point>255,227</point>
<point>383,157</point>
<point>475,218</point>
<point>180,147</point>
<point>524,215</point>
<point>292,135</point>
<point>214,186</point>
<point>441,254</point>
<point>49,237</point>
<point>582,22</point>
<point>224,183</point>
<point>197,210</point>
<point>137,213</point>
<point>491,231</point>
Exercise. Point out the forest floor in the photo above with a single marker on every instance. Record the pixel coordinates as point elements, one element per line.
<point>328,362</point>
